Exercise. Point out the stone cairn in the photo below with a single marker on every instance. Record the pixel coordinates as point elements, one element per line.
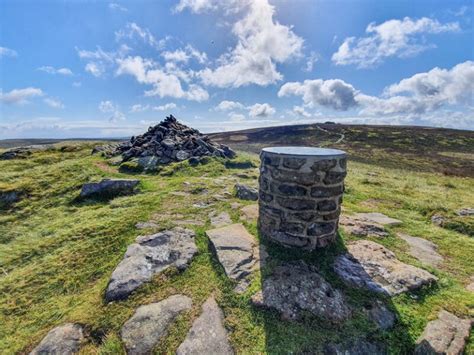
<point>300,194</point>
<point>172,141</point>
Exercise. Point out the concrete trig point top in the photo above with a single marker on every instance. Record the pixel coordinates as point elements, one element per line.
<point>300,195</point>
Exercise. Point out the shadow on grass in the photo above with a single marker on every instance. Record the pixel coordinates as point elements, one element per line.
<point>315,335</point>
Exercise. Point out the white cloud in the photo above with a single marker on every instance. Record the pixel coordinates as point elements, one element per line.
<point>334,93</point>
<point>261,110</point>
<point>99,60</point>
<point>20,96</point>
<point>108,106</point>
<point>117,7</point>
<point>163,84</point>
<point>132,30</point>
<point>139,108</point>
<point>262,43</point>
<point>53,102</point>
<point>165,107</point>
<point>229,105</point>
<point>77,84</point>
<point>300,111</point>
<point>236,117</point>
<point>393,38</point>
<point>183,55</point>
<point>196,6</point>
<point>310,61</point>
<point>52,70</point>
<point>7,52</point>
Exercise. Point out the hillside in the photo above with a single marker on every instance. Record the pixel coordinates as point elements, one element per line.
<point>57,252</point>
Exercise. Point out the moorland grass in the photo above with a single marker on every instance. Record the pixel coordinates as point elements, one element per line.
<point>57,254</point>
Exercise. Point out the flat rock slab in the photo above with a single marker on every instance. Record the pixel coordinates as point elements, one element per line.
<point>423,250</point>
<point>220,219</point>
<point>108,188</point>
<point>465,212</point>
<point>446,335</point>
<point>150,323</point>
<point>249,213</point>
<point>362,228</point>
<point>245,192</point>
<point>208,334</point>
<point>380,218</point>
<point>296,287</point>
<point>237,252</point>
<point>63,340</point>
<point>371,266</point>
<point>150,255</point>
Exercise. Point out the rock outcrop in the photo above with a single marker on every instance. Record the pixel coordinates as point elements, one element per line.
<point>150,255</point>
<point>296,287</point>
<point>150,323</point>
<point>237,252</point>
<point>423,250</point>
<point>22,152</point>
<point>65,340</point>
<point>208,334</point>
<point>355,347</point>
<point>446,335</point>
<point>371,266</point>
<point>109,188</point>
<point>172,141</point>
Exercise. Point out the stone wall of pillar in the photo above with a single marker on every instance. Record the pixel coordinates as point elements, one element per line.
<point>300,198</point>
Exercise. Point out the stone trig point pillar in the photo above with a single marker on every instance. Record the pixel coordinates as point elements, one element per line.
<point>300,195</point>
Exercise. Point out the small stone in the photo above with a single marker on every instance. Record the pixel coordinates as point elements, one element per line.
<point>7,198</point>
<point>249,213</point>
<point>438,220</point>
<point>292,190</point>
<point>321,191</point>
<point>220,220</point>
<point>319,229</point>
<point>371,266</point>
<point>208,334</point>
<point>63,340</point>
<point>150,255</point>
<point>324,165</point>
<point>334,177</point>
<point>109,188</point>
<point>296,204</point>
<point>296,287</point>
<point>150,323</point>
<point>148,163</point>
<point>236,250</point>
<point>423,250</point>
<point>293,163</point>
<point>235,205</point>
<point>182,155</point>
<point>446,335</point>
<point>327,206</point>
<point>245,192</point>
<point>465,212</point>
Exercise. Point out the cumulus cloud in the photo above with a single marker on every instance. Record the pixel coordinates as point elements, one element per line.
<point>184,55</point>
<point>311,61</point>
<point>262,43</point>
<point>393,38</point>
<point>53,102</point>
<point>197,6</point>
<point>163,84</point>
<point>117,7</point>
<point>99,60</point>
<point>111,108</point>
<point>229,105</point>
<point>139,108</point>
<point>300,111</point>
<point>165,107</point>
<point>236,117</point>
<point>52,70</point>
<point>20,96</point>
<point>261,110</point>
<point>334,93</point>
<point>7,52</point>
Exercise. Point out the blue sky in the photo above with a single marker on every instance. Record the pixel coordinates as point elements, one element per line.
<point>109,69</point>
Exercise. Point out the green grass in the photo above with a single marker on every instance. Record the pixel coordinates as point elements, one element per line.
<point>57,254</point>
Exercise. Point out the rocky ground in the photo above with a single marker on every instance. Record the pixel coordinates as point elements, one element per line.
<point>171,261</point>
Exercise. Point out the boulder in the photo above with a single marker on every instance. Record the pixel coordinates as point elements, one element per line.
<point>237,252</point>
<point>63,340</point>
<point>7,198</point>
<point>208,334</point>
<point>150,255</point>
<point>465,212</point>
<point>378,313</point>
<point>446,335</point>
<point>438,220</point>
<point>22,152</point>
<point>423,250</point>
<point>371,266</point>
<point>109,188</point>
<point>150,324</point>
<point>245,192</point>
<point>361,228</point>
<point>296,287</point>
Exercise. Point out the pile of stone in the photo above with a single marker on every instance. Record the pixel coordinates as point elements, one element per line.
<point>172,141</point>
